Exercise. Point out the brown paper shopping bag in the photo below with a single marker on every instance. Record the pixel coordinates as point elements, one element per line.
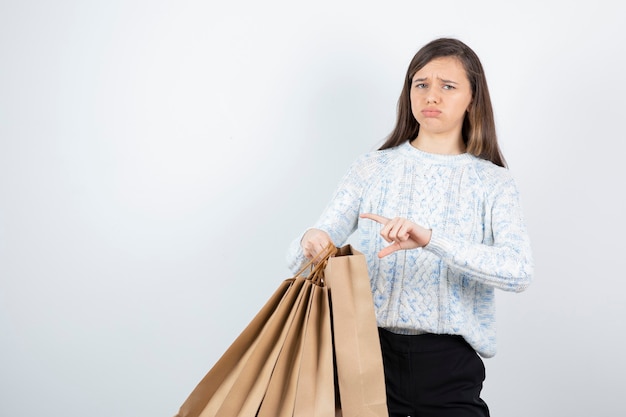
<point>261,372</point>
<point>356,342</point>
<point>316,392</point>
<point>280,393</point>
<point>248,360</point>
<point>302,382</point>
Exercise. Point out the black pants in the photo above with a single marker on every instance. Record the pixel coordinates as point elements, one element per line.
<point>432,375</point>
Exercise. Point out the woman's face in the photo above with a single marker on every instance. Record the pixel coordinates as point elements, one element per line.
<point>440,96</point>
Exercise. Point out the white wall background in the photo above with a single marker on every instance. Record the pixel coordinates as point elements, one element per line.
<point>157,157</point>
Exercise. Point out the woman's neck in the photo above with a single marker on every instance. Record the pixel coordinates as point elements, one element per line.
<point>443,146</point>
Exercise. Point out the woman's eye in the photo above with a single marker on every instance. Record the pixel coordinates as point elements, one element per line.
<point>420,85</point>
<point>448,87</point>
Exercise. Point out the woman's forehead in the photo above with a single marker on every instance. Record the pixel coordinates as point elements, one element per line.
<point>441,68</point>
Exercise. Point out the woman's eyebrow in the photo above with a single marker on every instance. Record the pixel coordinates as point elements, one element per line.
<point>419,80</point>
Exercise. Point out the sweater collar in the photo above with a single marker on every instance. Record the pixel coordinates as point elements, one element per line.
<point>433,158</point>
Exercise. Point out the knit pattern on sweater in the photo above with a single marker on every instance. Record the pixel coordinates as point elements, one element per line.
<point>479,240</point>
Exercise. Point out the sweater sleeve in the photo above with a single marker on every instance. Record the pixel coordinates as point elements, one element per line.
<point>506,261</point>
<point>339,218</point>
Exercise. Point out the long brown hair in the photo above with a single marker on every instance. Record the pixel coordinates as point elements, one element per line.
<point>479,130</point>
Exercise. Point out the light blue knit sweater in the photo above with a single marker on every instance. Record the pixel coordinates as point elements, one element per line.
<point>479,240</point>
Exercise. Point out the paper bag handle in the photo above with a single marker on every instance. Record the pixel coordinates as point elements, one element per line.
<point>319,263</point>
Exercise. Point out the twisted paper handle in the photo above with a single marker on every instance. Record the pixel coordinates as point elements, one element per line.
<point>317,265</point>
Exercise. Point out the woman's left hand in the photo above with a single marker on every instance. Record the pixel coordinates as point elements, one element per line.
<point>401,233</point>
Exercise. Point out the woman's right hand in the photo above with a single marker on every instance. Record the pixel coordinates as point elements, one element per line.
<point>314,242</point>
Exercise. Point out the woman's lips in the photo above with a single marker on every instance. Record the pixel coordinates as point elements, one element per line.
<point>431,112</point>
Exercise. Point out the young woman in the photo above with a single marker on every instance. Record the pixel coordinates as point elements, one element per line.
<point>438,217</point>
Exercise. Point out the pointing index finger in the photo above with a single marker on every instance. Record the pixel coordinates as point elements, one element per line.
<point>380,219</point>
